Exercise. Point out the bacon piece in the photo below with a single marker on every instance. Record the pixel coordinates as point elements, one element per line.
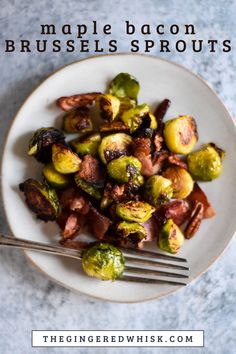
<point>141,148</point>
<point>197,195</point>
<point>178,210</point>
<point>174,159</point>
<point>99,224</point>
<point>151,229</point>
<point>160,113</point>
<point>158,142</point>
<point>78,245</point>
<point>72,199</point>
<point>159,160</point>
<point>68,103</point>
<point>70,223</point>
<point>91,170</point>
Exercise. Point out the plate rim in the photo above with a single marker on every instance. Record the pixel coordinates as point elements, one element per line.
<point>5,142</point>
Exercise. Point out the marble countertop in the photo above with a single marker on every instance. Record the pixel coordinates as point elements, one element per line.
<point>28,299</point>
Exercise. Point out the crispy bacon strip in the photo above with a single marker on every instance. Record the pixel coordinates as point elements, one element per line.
<point>98,223</point>
<point>92,171</point>
<point>178,210</point>
<point>70,223</point>
<point>68,103</point>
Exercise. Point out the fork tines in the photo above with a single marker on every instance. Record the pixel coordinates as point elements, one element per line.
<point>142,266</point>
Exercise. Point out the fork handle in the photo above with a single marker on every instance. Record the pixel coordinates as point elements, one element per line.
<point>38,246</point>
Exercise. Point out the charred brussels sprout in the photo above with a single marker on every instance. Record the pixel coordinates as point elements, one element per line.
<point>78,121</point>
<point>134,211</point>
<point>86,144</point>
<point>64,159</point>
<point>54,178</point>
<point>181,134</point>
<point>132,230</point>
<point>158,190</point>
<point>108,106</point>
<point>125,85</point>
<point>205,164</point>
<point>103,261</point>
<point>124,169</point>
<point>133,118</point>
<point>170,237</point>
<point>113,146</point>
<point>89,188</point>
<point>182,182</point>
<point>126,104</point>
<point>40,145</point>
<point>41,199</point>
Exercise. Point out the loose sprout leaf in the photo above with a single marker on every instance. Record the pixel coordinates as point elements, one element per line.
<point>125,85</point>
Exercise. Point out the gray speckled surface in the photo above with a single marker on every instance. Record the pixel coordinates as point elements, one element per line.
<point>28,300</point>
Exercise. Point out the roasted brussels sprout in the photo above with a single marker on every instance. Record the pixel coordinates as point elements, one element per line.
<point>87,187</point>
<point>78,121</point>
<point>54,178</point>
<point>153,121</point>
<point>40,145</point>
<point>181,134</point>
<point>205,164</point>
<point>132,230</point>
<point>182,182</point>
<point>124,169</point>
<point>103,261</point>
<point>133,117</point>
<point>126,104</point>
<point>64,159</point>
<point>108,106</point>
<point>125,85</point>
<point>113,146</point>
<point>158,190</point>
<point>86,144</point>
<point>170,237</point>
<point>134,211</point>
<point>41,199</point>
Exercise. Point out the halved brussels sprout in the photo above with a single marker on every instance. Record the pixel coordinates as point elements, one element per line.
<point>89,188</point>
<point>124,169</point>
<point>78,121</point>
<point>103,261</point>
<point>133,230</point>
<point>181,134</point>
<point>153,121</point>
<point>64,159</point>
<point>170,237</point>
<point>108,106</point>
<point>54,178</point>
<point>158,190</point>
<point>133,117</point>
<point>125,85</point>
<point>134,211</point>
<point>205,164</point>
<point>87,144</point>
<point>41,199</point>
<point>40,145</point>
<point>182,182</point>
<point>113,146</point>
<point>126,104</point>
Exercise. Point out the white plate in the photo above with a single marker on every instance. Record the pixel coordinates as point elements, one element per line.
<point>159,79</point>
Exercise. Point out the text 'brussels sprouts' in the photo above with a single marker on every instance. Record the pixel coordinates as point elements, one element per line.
<point>206,164</point>
<point>182,182</point>
<point>181,134</point>
<point>113,146</point>
<point>108,106</point>
<point>40,144</point>
<point>158,190</point>
<point>78,121</point>
<point>134,211</point>
<point>133,118</point>
<point>103,261</point>
<point>170,237</point>
<point>64,159</point>
<point>86,144</point>
<point>41,199</point>
<point>124,169</point>
<point>125,85</point>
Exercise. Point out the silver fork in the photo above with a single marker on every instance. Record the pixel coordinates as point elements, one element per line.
<point>140,266</point>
